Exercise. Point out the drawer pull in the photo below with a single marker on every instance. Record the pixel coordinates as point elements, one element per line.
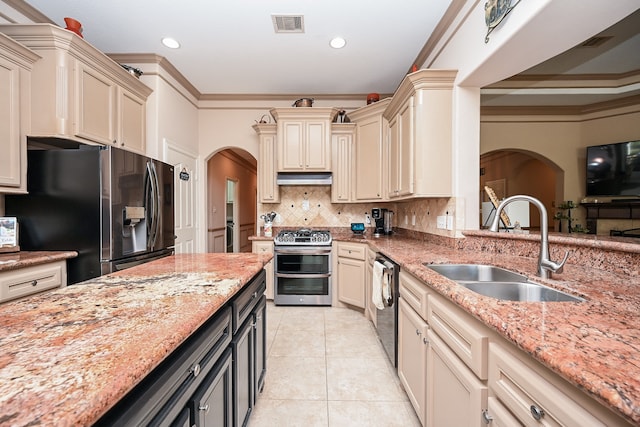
<point>418,332</point>
<point>204,407</point>
<point>486,417</point>
<point>34,283</point>
<point>425,340</point>
<point>195,370</point>
<point>536,412</point>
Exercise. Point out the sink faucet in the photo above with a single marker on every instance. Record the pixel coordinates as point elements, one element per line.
<point>545,265</point>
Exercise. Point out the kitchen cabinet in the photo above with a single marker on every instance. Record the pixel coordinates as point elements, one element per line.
<point>212,378</point>
<point>79,93</point>
<point>351,273</point>
<point>412,356</point>
<point>304,138</point>
<point>31,280</point>
<point>268,190</point>
<point>370,166</point>
<point>342,136</point>
<point>16,63</point>
<point>420,147</point>
<point>260,247</point>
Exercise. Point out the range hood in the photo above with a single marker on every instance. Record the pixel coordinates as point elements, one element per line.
<point>304,178</point>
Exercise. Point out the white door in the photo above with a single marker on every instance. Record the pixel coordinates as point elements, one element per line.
<point>186,209</point>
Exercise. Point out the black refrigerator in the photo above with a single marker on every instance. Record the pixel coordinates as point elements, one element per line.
<point>114,207</point>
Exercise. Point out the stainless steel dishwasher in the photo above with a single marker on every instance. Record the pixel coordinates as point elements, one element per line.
<point>387,318</point>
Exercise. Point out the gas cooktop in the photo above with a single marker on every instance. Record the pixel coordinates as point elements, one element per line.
<point>303,236</point>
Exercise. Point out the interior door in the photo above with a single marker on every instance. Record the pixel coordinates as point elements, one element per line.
<point>186,204</point>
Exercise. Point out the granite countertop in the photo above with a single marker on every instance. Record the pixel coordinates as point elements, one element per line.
<point>68,355</point>
<point>22,259</point>
<point>595,344</point>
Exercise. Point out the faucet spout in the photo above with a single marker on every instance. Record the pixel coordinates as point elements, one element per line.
<point>545,264</point>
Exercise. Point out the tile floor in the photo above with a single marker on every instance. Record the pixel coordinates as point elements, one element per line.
<point>326,367</point>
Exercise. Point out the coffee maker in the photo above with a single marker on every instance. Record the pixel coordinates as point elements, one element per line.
<point>384,221</point>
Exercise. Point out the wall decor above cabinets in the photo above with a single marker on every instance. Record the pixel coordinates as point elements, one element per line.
<point>79,93</point>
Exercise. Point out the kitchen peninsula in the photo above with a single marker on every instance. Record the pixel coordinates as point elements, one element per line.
<point>69,355</point>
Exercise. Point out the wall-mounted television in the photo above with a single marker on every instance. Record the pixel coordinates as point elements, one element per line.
<point>614,169</point>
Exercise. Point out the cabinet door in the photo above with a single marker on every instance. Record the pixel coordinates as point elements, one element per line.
<point>260,335</point>
<point>351,281</point>
<point>405,149</point>
<point>317,146</point>
<point>268,190</point>
<point>412,357</point>
<point>368,285</point>
<point>291,146</point>
<point>455,397</point>
<point>394,157</point>
<point>13,146</point>
<point>342,146</point>
<point>96,105</point>
<point>368,160</point>
<point>132,121</point>
<point>212,402</point>
<point>243,373</point>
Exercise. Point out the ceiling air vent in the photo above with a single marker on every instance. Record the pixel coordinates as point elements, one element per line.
<point>288,23</point>
<point>595,41</point>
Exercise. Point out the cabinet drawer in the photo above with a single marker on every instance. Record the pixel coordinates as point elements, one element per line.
<point>462,333</point>
<point>262,247</point>
<point>243,303</point>
<point>30,280</point>
<point>414,292</point>
<point>525,389</point>
<point>353,251</point>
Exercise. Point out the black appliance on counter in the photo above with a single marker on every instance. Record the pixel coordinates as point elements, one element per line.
<point>384,221</point>
<point>302,267</point>
<point>114,207</point>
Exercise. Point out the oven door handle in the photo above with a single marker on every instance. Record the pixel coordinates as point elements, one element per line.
<point>303,276</point>
<point>302,251</point>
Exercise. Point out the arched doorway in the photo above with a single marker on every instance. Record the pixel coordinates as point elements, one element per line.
<point>231,190</point>
<point>511,172</point>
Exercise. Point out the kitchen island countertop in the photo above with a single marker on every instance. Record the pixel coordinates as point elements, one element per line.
<point>68,355</point>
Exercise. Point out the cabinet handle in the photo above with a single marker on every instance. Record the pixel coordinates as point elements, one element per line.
<point>425,340</point>
<point>486,417</point>
<point>418,332</point>
<point>34,283</point>
<point>115,142</point>
<point>195,370</point>
<point>204,407</point>
<point>536,412</point>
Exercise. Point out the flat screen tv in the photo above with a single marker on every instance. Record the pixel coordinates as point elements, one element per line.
<point>614,169</point>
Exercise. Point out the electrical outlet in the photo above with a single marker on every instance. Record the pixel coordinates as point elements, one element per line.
<point>406,219</point>
<point>441,222</point>
<point>367,219</point>
<point>449,222</point>
<point>413,219</point>
<point>305,205</point>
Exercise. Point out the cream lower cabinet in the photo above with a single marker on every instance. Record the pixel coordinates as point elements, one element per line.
<point>342,136</point>
<point>15,109</point>
<point>262,246</point>
<point>31,280</point>
<point>79,93</point>
<point>412,357</point>
<point>351,273</point>
<point>370,309</point>
<point>268,190</point>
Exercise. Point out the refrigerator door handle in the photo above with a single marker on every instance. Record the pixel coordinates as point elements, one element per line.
<point>155,205</point>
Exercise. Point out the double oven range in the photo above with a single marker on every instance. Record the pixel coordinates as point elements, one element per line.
<point>302,263</point>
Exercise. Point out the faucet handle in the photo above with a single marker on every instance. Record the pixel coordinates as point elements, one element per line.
<point>554,266</point>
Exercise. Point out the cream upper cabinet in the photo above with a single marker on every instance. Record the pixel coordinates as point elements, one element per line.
<point>268,190</point>
<point>304,138</point>
<point>370,152</point>
<point>342,136</point>
<point>420,121</point>
<point>79,93</point>
<point>16,63</point>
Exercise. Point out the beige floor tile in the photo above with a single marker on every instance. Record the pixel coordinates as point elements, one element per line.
<point>371,414</point>
<point>290,413</point>
<point>300,320</point>
<point>362,379</point>
<point>353,344</point>
<point>309,343</point>
<point>297,378</point>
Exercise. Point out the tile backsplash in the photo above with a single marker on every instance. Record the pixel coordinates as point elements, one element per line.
<point>310,206</point>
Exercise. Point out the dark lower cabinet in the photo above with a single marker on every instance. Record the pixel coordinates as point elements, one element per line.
<point>210,380</point>
<point>212,403</point>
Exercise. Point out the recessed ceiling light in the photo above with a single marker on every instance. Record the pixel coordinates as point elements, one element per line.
<point>337,43</point>
<point>170,43</point>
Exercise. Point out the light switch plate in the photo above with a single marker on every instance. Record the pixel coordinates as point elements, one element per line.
<point>449,222</point>
<point>441,222</point>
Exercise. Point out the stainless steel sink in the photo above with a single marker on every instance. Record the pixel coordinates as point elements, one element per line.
<point>476,273</point>
<point>499,283</point>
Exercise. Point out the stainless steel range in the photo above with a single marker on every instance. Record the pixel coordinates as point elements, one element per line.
<point>302,267</point>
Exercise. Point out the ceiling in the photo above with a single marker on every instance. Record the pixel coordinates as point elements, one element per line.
<point>232,48</point>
